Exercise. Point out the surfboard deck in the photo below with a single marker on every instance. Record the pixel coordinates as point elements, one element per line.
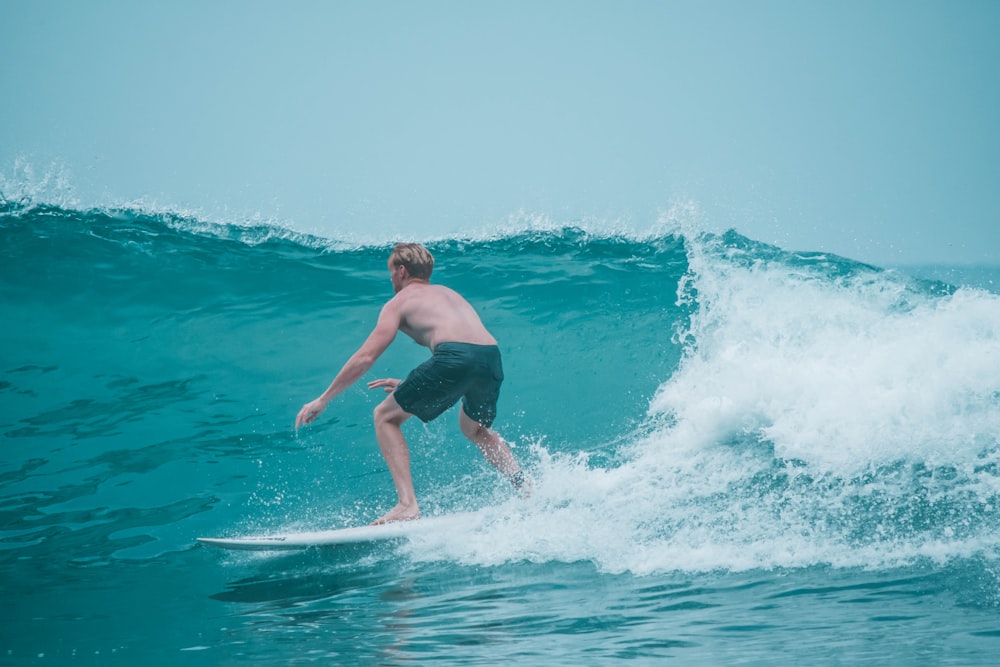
<point>329,538</point>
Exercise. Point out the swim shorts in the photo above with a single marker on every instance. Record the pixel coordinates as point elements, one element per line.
<point>455,370</point>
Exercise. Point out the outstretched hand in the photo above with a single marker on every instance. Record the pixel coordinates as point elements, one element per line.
<point>309,412</point>
<point>389,384</point>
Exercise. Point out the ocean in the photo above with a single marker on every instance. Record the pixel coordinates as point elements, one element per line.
<point>740,454</point>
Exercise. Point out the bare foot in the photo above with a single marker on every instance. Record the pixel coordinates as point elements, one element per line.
<point>399,513</point>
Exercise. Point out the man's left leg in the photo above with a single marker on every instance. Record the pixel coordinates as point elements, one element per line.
<point>389,418</point>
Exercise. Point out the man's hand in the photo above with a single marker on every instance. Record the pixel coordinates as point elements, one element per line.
<point>309,412</point>
<point>390,384</point>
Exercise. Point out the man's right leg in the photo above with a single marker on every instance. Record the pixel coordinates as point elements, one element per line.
<point>389,418</point>
<point>493,447</point>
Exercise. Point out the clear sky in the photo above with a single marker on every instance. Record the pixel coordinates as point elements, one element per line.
<point>865,128</point>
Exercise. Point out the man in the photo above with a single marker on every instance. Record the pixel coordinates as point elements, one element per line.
<point>465,363</point>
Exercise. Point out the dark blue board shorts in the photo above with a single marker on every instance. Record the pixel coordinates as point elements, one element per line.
<point>471,372</point>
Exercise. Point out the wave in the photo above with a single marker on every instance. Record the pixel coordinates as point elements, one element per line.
<point>685,400</point>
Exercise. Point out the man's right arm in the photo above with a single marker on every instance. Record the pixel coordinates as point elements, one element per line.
<point>360,362</point>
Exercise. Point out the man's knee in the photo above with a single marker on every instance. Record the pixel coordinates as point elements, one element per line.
<point>473,430</point>
<point>389,412</point>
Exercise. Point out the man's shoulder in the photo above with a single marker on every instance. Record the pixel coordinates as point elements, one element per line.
<point>422,292</point>
<point>405,298</point>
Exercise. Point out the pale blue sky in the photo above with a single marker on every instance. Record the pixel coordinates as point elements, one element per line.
<point>863,128</point>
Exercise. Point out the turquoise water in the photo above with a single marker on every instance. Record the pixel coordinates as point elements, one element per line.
<point>739,453</point>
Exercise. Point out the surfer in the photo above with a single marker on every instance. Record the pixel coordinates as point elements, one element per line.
<point>464,364</point>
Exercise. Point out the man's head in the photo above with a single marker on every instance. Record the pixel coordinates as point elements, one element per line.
<point>417,259</point>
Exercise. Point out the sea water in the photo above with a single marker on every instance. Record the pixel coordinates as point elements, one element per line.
<point>739,454</point>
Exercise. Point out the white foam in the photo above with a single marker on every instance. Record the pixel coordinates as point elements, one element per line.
<point>842,374</point>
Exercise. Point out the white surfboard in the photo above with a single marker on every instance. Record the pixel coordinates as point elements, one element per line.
<point>356,535</point>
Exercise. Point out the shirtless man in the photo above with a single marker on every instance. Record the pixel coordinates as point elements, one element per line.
<point>465,363</point>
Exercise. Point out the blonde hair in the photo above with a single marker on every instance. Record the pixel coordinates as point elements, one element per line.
<point>416,258</point>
